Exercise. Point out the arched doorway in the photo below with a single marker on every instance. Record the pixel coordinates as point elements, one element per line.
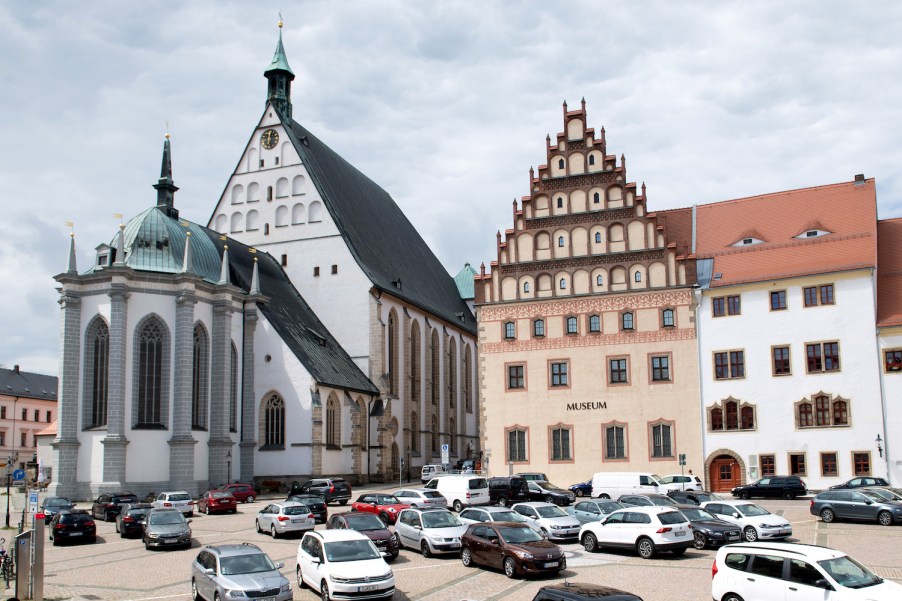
<point>395,470</point>
<point>724,472</point>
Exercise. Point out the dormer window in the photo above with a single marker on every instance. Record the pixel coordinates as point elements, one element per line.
<point>748,242</point>
<point>813,233</point>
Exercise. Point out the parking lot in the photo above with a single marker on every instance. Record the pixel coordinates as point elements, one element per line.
<point>118,569</point>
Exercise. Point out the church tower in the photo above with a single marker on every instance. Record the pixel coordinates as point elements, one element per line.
<point>280,76</point>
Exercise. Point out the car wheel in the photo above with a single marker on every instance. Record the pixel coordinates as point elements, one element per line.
<point>194,594</point>
<point>259,529</point>
<point>250,499</point>
<point>324,591</point>
<point>216,597</point>
<point>510,568</point>
<point>300,578</point>
<point>549,499</point>
<point>502,501</point>
<point>827,515</point>
<point>272,532</point>
<point>397,540</point>
<point>744,495</point>
<point>424,549</point>
<point>788,494</point>
<point>580,493</point>
<point>458,506</point>
<point>590,542</point>
<point>465,558</point>
<point>731,597</point>
<point>604,496</point>
<point>544,532</point>
<point>345,502</point>
<point>700,541</point>
<point>384,517</point>
<point>751,535</point>
<point>678,551</point>
<point>646,548</point>
<point>885,518</point>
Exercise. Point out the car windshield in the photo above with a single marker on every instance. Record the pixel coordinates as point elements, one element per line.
<point>57,503</point>
<point>707,496</point>
<point>180,497</point>
<point>609,506</point>
<point>364,522</point>
<point>695,515</point>
<point>351,550</point>
<point>440,519</point>
<point>296,510</point>
<point>221,495</point>
<point>551,511</point>
<point>752,510</point>
<point>662,501</point>
<point>506,516</point>
<point>387,500</point>
<point>246,564</point>
<point>166,517</point>
<point>523,534</point>
<point>549,486</point>
<point>848,572</point>
<point>311,501</point>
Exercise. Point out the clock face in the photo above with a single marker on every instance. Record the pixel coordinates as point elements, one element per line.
<point>269,139</point>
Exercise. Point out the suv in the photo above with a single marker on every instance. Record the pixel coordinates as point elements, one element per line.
<point>429,530</point>
<point>107,506</point>
<point>243,493</point>
<point>343,563</point>
<point>645,529</point>
<point>859,504</point>
<point>578,591</point>
<point>788,487</point>
<point>240,570</point>
<point>505,490</point>
<point>330,489</point>
<point>180,500</point>
<point>772,571</point>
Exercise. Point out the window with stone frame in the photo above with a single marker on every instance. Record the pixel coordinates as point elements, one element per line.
<point>626,321</point>
<point>392,354</point>
<point>558,373</point>
<point>233,390</point>
<point>861,463</point>
<point>780,361</point>
<point>734,305</point>
<point>200,378</point>
<point>560,443</point>
<point>662,439</point>
<point>152,342</point>
<point>778,300</point>
<point>468,379</point>
<point>516,445</point>
<point>822,411</point>
<point>594,323</point>
<point>818,295</point>
<point>768,465</point>
<point>668,319</point>
<point>797,464</point>
<point>516,376</point>
<point>729,365</point>
<point>434,368</point>
<point>572,325</point>
<point>415,361</point>
<point>414,433</point>
<point>273,414</point>
<point>718,306</point>
<point>731,415</point>
<point>828,465</point>
<point>822,356</point>
<point>434,433</point>
<point>660,368</point>
<point>538,328</point>
<point>97,370</point>
<point>892,360</point>
<point>615,441</point>
<point>618,371</point>
<point>452,373</point>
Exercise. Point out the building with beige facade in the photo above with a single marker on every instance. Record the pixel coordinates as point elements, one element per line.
<point>588,352</point>
<point>27,406</point>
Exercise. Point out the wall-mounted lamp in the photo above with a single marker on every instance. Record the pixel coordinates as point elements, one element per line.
<point>879,442</point>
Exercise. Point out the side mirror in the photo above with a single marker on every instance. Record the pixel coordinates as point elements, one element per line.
<point>280,565</point>
<point>417,527</point>
<point>210,572</point>
<point>822,583</point>
<point>316,560</point>
<point>188,521</point>
<point>496,542</point>
<point>735,514</point>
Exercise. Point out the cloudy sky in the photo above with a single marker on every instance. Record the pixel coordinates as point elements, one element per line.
<point>445,104</point>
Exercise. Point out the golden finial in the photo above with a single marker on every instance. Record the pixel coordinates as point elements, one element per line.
<point>184,223</point>
<point>222,237</point>
<point>225,247</point>
<point>252,250</point>
<point>280,20</point>
<point>255,259</point>
<point>166,135</point>
<point>188,234</point>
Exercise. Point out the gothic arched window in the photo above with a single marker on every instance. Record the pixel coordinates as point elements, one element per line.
<point>434,371</point>
<point>392,354</point>
<point>151,343</point>
<point>597,237</point>
<point>435,445</point>
<point>97,371</point>
<point>415,361</point>
<point>273,422</point>
<point>199,379</point>
<point>414,432</point>
<point>333,423</point>
<point>233,391</point>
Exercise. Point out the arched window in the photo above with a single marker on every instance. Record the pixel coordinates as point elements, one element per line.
<point>415,361</point>
<point>598,240</point>
<point>538,327</point>
<point>434,368</point>
<point>560,241</point>
<point>199,379</point>
<point>594,323</point>
<point>667,318</point>
<point>525,286</point>
<point>599,280</point>
<point>333,423</point>
<point>596,198</point>
<point>316,212</point>
<point>414,432</point>
<point>806,418</point>
<point>662,440</point>
<point>452,373</point>
<point>467,380</point>
<point>822,411</point>
<point>840,413</point>
<point>572,325</point>
<point>510,331</point>
<point>233,391</point>
<point>273,422</point>
<point>151,343</point>
<point>591,159</point>
<point>452,431</point>
<point>560,163</point>
<point>747,418</point>
<point>626,321</point>
<point>392,354</point>
<point>560,202</point>
<point>435,445</point>
<point>97,373</point>
<point>716,419</point>
<point>637,276</point>
<point>732,410</point>
<point>563,283</point>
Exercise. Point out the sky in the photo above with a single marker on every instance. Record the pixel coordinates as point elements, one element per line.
<point>445,104</point>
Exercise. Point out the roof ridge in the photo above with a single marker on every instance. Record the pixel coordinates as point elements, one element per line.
<point>781,193</point>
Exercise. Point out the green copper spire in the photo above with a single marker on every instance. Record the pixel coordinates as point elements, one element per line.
<point>165,188</point>
<point>280,77</point>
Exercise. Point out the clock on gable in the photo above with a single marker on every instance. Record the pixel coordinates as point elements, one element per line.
<point>269,139</point>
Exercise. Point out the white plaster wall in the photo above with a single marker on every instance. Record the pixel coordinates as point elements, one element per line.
<point>335,461</point>
<point>891,338</point>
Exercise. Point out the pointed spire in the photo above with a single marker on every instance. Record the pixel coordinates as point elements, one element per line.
<point>622,162</point>
<point>280,77</point>
<point>255,280</point>
<point>120,247</point>
<point>187,264</point>
<point>224,273</point>
<point>643,189</point>
<point>583,103</point>
<point>165,188</point>
<point>72,268</point>
<point>565,109</point>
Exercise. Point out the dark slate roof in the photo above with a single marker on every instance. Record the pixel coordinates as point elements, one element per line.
<point>383,242</point>
<point>28,385</point>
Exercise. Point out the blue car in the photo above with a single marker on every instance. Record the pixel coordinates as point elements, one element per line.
<point>582,489</point>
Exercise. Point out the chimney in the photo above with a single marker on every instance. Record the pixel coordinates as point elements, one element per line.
<point>859,179</point>
<point>16,369</point>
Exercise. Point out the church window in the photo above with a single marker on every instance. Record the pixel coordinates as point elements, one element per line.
<point>151,341</point>
<point>596,198</point>
<point>452,374</point>
<point>97,373</point>
<point>468,379</point>
<point>435,445</point>
<point>560,164</point>
<point>525,286</point>
<point>392,354</point>
<point>598,239</point>
<point>273,422</point>
<point>638,276</point>
<point>452,430</point>
<point>563,283</point>
<point>233,391</point>
<point>333,424</point>
<point>560,241</point>
<point>591,159</point>
<point>434,369</point>
<point>415,362</point>
<point>414,432</point>
<point>199,379</point>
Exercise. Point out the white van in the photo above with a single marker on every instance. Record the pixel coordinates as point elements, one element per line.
<point>610,485</point>
<point>430,471</point>
<point>462,490</point>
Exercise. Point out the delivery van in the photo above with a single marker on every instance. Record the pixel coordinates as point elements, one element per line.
<point>462,490</point>
<point>610,485</point>
<point>430,471</point>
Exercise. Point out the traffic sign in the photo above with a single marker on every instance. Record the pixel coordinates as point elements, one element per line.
<point>445,454</point>
<point>32,501</point>
<point>19,474</point>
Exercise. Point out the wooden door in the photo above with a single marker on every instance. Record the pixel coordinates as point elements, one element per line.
<point>725,474</point>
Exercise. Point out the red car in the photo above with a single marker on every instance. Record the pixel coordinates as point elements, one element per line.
<point>243,493</point>
<point>386,507</point>
<point>214,501</point>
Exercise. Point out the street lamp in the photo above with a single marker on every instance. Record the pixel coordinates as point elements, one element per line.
<point>229,464</point>
<point>879,442</point>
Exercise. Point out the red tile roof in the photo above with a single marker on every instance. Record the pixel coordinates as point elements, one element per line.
<point>49,430</point>
<point>889,272</point>
<point>848,211</point>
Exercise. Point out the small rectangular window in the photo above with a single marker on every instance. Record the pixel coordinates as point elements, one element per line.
<point>828,465</point>
<point>861,463</point>
<point>23,439</point>
<point>892,360</point>
<point>538,328</point>
<point>2,412</point>
<point>797,465</point>
<point>284,260</point>
<point>516,377</point>
<point>729,365</point>
<point>734,306</point>
<point>24,415</point>
<point>261,163</point>
<point>316,272</point>
<point>810,296</point>
<point>781,363</point>
<point>768,464</point>
<point>37,415</point>
<point>510,330</point>
<point>827,294</point>
<point>559,374</point>
<point>277,160</point>
<point>594,323</point>
<point>334,269</point>
<point>778,300</point>
<point>660,369</point>
<point>617,370</point>
<point>718,306</point>
<point>48,416</point>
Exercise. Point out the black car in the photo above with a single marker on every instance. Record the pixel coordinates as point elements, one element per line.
<point>316,504</point>
<point>541,490</point>
<point>330,489</point>
<point>107,506</point>
<point>774,487</point>
<point>53,505</point>
<point>646,500</point>
<point>130,520</point>
<point>577,591</point>
<point>860,482</point>
<point>693,497</point>
<point>505,490</point>
<point>708,530</point>
<point>72,524</point>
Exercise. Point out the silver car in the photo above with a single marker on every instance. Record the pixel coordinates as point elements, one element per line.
<point>237,571</point>
<point>421,497</point>
<point>179,499</point>
<point>549,519</point>
<point>473,515</point>
<point>429,530</point>
<point>593,510</point>
<point>285,517</point>
<point>166,528</point>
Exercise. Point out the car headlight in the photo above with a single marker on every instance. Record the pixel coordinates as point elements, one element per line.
<point>714,534</point>
<point>556,527</point>
<point>526,555</point>
<point>285,587</point>
<point>235,594</point>
<point>153,535</point>
<point>334,578</point>
<point>392,510</point>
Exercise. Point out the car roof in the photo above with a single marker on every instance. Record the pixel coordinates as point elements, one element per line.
<point>813,552</point>
<point>174,492</point>
<point>141,505</point>
<point>416,490</point>
<point>647,509</point>
<point>328,536</point>
<point>228,550</point>
<point>732,503</point>
<point>492,509</point>
<point>288,504</point>
<point>579,591</point>
<point>534,504</point>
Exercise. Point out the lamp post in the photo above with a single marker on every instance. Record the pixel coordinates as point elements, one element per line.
<point>879,442</point>
<point>229,466</point>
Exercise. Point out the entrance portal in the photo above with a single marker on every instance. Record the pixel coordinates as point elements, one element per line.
<point>725,473</point>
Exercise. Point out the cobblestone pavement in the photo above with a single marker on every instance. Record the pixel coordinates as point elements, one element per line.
<point>117,569</point>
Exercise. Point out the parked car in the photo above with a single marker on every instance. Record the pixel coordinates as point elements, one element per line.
<point>106,507</point>
<point>243,493</point>
<point>53,505</point>
<point>860,483</point>
<point>581,489</point>
<point>515,548</point>
<point>580,591</point>
<point>788,487</point>
<point>754,521</point>
<point>343,564</point>
<point>180,500</point>
<point>541,490</point>
<point>594,510</point>
<point>504,490</point>
<point>332,490</point>
<point>648,530</point>
<point>889,494</point>
<point>610,485</point>
<point>473,515</point>
<point>316,504</point>
<point>695,497</point>
<point>529,476</point>
<point>430,471</point>
<point>285,517</point>
<point>429,530</point>
<point>72,524</point>
<point>421,497</point>
<point>385,506</point>
<point>709,530</point>
<point>790,571</point>
<point>855,504</point>
<point>681,482</point>
<point>237,571</point>
<point>130,521</point>
<point>371,526</point>
<point>549,520</point>
<point>217,501</point>
<point>461,490</point>
<point>646,500</point>
<point>166,527</point>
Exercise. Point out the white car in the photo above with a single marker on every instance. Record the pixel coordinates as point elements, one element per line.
<point>754,521</point>
<point>178,499</point>
<point>787,571</point>
<point>680,482</point>
<point>429,531</point>
<point>421,497</point>
<point>549,519</point>
<point>645,529</point>
<point>343,564</point>
<point>285,517</point>
<point>473,515</point>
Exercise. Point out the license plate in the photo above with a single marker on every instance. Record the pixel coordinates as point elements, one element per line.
<point>268,599</point>
<point>298,521</point>
<point>734,537</point>
<point>368,587</point>
<point>680,533</point>
<point>76,533</point>
<point>170,541</point>
<point>550,564</point>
